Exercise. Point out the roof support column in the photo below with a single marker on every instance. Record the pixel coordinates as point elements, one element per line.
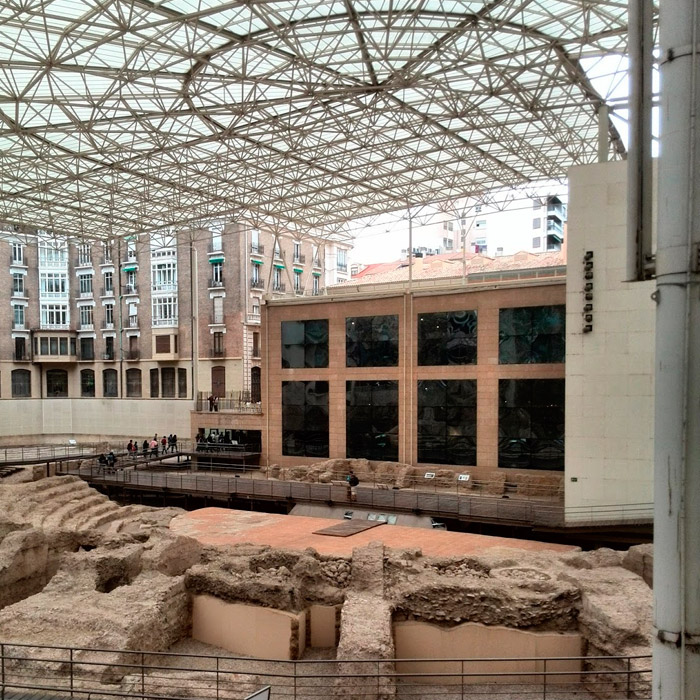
<point>676,666</point>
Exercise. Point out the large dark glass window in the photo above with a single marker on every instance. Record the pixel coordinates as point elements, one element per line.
<point>167,377</point>
<point>447,338</point>
<point>155,383</point>
<point>531,423</point>
<point>182,383</point>
<point>305,343</point>
<point>372,341</point>
<point>305,419</point>
<point>372,420</point>
<point>531,334</point>
<point>109,383</point>
<point>56,383</point>
<point>21,383</point>
<point>87,382</point>
<point>133,383</point>
<point>447,421</point>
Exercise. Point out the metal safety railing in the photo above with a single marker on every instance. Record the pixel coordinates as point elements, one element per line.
<point>79,672</point>
<point>442,504</point>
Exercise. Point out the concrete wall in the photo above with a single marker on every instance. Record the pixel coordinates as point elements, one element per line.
<point>248,630</point>
<point>609,371</point>
<point>421,640</point>
<point>45,420</point>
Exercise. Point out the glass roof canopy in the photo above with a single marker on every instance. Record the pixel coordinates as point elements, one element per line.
<point>122,117</point>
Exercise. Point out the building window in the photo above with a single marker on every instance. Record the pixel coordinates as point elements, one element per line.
<point>131,251</point>
<point>155,383</point>
<point>17,252</point>
<point>109,348</point>
<point>21,384</point>
<point>305,419</point>
<point>133,383</point>
<point>84,254</point>
<point>372,420</point>
<point>56,383</point>
<point>536,241</point>
<point>256,307</point>
<point>297,282</point>
<point>21,350</point>
<point>109,283</point>
<point>218,344</point>
<point>536,203</point>
<point>255,384</point>
<point>480,224</point>
<point>450,226</point>
<point>256,344</point>
<point>164,276</point>
<point>52,254</point>
<point>447,421</point>
<point>17,316</point>
<point>109,383</point>
<point>54,315</point>
<point>531,423</point>
<point>447,338</point>
<point>297,251</point>
<point>17,285</point>
<point>131,282</point>
<point>315,287</point>
<point>477,210</point>
<point>217,274</point>
<point>87,349</point>
<point>85,316</point>
<point>216,241</point>
<point>109,315</point>
<point>167,377</point>
<point>164,311</point>
<point>277,285</point>
<point>182,382</point>
<point>537,222</point>
<point>277,251</point>
<point>53,284</point>
<point>255,246</point>
<point>342,260</point>
<point>218,315</point>
<point>480,246</point>
<point>162,344</point>
<point>372,341</point>
<point>87,383</point>
<point>531,335</point>
<point>85,284</point>
<point>305,343</point>
<point>107,253</point>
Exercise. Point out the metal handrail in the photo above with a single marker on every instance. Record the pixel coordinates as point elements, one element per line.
<point>77,672</point>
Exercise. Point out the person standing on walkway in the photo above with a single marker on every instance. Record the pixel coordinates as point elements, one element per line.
<point>144,448</point>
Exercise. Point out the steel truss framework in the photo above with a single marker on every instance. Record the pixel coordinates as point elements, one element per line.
<point>119,117</point>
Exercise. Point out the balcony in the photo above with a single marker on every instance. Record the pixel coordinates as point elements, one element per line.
<point>109,356</point>
<point>131,289</point>
<point>257,249</point>
<point>18,326</point>
<point>301,259</point>
<point>104,292</point>
<point>85,295</point>
<point>253,318</point>
<point>133,322</point>
<point>87,327</point>
<point>106,260</point>
<point>342,267</point>
<point>257,284</point>
<point>83,262</point>
<point>164,322</point>
<point>216,283</point>
<point>216,246</point>
<point>164,287</point>
<point>132,355</point>
<point>24,356</point>
<point>216,320</point>
<point>108,326</point>
<point>216,352</point>
<point>279,287</point>
<point>130,257</point>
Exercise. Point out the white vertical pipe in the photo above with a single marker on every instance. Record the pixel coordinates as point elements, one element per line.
<point>639,171</point>
<point>603,132</point>
<point>676,666</point>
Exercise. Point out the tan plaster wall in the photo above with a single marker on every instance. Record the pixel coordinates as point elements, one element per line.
<point>248,630</point>
<point>322,620</point>
<point>417,640</point>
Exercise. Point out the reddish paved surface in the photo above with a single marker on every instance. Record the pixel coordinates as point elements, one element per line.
<point>220,526</point>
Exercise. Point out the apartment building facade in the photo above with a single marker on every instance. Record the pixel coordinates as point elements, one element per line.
<point>151,317</point>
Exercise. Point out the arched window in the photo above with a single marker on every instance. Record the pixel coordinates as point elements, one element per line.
<point>109,383</point>
<point>21,384</point>
<point>56,383</point>
<point>133,383</point>
<point>87,382</point>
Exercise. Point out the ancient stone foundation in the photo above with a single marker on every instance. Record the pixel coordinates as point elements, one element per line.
<point>77,570</point>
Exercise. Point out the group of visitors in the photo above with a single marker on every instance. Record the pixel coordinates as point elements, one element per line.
<point>154,446</point>
<point>107,463</point>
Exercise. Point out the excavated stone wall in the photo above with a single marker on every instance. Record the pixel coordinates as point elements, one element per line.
<point>77,570</point>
